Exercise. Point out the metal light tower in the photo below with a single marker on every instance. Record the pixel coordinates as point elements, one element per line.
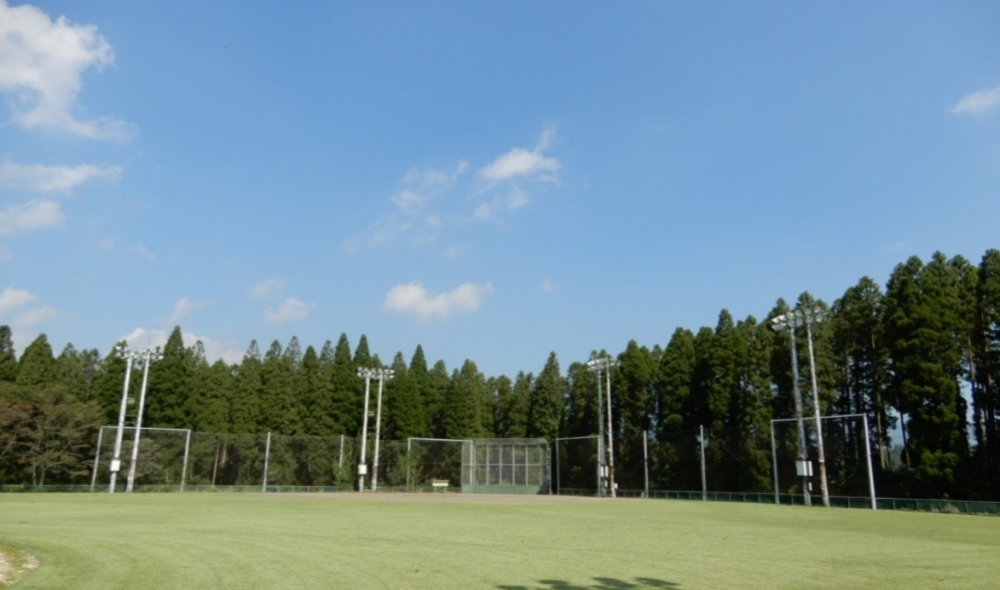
<point>367,375</point>
<point>788,322</point>
<point>148,357</point>
<point>597,365</point>
<point>129,356</point>
<point>593,367</point>
<point>382,375</point>
<point>808,316</point>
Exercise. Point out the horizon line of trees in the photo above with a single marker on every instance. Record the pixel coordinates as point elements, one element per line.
<point>919,358</point>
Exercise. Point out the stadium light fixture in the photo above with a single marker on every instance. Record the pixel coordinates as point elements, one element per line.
<point>382,375</point>
<point>121,350</point>
<point>809,316</point>
<point>787,322</point>
<point>598,365</point>
<point>367,375</point>
<point>147,357</point>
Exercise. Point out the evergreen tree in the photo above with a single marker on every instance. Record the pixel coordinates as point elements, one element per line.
<point>8,360</point>
<point>78,371</point>
<point>986,393</point>
<point>279,400</point>
<point>170,384</point>
<point>922,324</point>
<point>440,384</point>
<point>247,401</point>
<point>37,365</point>
<point>347,389</point>
<point>403,412</point>
<point>316,394</point>
<point>545,402</point>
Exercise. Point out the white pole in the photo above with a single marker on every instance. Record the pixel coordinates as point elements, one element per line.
<point>362,466</point>
<point>138,423</point>
<point>819,422</point>
<point>611,436</point>
<point>645,458</point>
<point>116,458</point>
<point>774,465</point>
<point>97,456</point>
<point>868,459</point>
<point>267,457</point>
<point>378,431</point>
<point>187,450</point>
<point>704,480</point>
<point>602,460</point>
<point>409,440</point>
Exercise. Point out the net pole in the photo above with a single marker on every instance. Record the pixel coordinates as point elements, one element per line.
<point>611,439</point>
<point>409,442</point>
<point>774,465</point>
<point>645,459</point>
<point>362,466</point>
<point>704,480</point>
<point>868,460</point>
<point>267,457</point>
<point>187,453</point>
<point>97,456</point>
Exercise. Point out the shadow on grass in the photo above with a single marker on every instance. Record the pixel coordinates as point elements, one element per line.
<point>598,584</point>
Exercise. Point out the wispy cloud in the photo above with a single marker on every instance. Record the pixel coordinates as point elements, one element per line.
<point>415,300</point>
<point>142,338</point>
<point>520,163</point>
<point>413,213</point>
<point>50,179</point>
<point>31,216</point>
<point>978,103</point>
<point>17,309</point>
<point>548,286</point>
<point>41,62</point>
<point>292,309</point>
<point>262,289</point>
<point>142,251</point>
<point>182,308</point>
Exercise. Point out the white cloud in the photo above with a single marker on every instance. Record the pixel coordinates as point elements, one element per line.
<point>511,201</point>
<point>141,339</point>
<point>17,312</point>
<point>262,289</point>
<point>182,308</point>
<point>41,63</point>
<point>109,243</point>
<point>522,163</point>
<point>413,299</point>
<point>30,216</point>
<point>48,179</point>
<point>978,103</point>
<point>291,309</point>
<point>410,213</point>
<point>548,286</point>
<point>12,299</point>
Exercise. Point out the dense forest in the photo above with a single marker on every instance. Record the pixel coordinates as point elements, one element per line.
<point>920,358</point>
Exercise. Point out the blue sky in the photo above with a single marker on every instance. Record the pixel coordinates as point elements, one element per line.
<point>492,180</point>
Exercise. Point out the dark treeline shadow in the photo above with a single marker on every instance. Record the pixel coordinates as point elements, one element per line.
<point>598,584</point>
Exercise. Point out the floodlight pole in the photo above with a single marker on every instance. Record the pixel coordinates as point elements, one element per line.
<point>122,351</point>
<point>382,375</point>
<point>810,316</point>
<point>787,322</point>
<point>148,356</point>
<point>365,374</point>
<point>597,365</point>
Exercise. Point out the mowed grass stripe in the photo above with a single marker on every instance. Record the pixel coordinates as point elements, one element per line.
<point>399,541</point>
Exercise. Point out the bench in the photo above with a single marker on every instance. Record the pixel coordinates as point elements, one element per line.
<point>440,483</point>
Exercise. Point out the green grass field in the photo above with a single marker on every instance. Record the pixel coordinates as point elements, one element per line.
<point>246,541</point>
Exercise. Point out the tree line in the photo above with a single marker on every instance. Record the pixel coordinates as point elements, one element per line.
<point>920,358</point>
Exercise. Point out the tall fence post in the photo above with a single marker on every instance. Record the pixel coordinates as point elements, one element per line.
<point>187,452</point>
<point>868,458</point>
<point>97,456</point>
<point>704,479</point>
<point>774,465</point>
<point>267,457</point>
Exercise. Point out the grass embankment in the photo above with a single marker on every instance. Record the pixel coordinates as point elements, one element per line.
<point>246,541</point>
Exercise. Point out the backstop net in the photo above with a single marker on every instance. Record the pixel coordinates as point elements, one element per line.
<point>506,466</point>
